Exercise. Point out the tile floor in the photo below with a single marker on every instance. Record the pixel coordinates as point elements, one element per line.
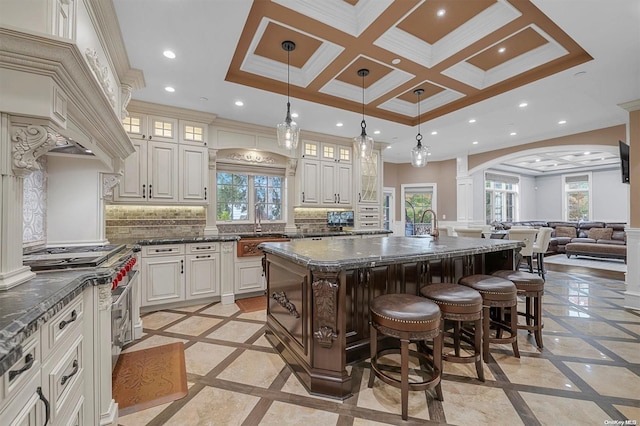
<point>587,374</point>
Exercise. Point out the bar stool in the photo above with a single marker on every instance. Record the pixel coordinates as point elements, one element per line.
<point>497,293</point>
<point>531,287</point>
<point>459,304</point>
<point>409,318</point>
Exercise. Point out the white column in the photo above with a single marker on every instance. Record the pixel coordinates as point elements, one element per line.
<point>464,191</point>
<point>227,271</point>
<point>290,188</point>
<point>211,228</point>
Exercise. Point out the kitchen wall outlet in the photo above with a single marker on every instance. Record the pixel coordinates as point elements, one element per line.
<point>444,217</point>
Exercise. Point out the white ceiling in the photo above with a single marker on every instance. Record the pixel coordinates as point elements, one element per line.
<point>204,34</point>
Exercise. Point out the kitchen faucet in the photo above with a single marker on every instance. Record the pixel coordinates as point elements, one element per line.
<point>434,228</point>
<point>257,227</point>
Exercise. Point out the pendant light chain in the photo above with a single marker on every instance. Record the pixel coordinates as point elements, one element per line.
<point>288,131</point>
<point>419,153</point>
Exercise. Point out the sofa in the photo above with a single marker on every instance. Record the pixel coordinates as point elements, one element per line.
<point>586,238</point>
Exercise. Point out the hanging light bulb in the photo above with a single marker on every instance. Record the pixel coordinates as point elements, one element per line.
<point>363,144</point>
<point>288,130</point>
<point>419,153</point>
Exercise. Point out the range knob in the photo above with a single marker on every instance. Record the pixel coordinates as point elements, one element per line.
<point>114,284</point>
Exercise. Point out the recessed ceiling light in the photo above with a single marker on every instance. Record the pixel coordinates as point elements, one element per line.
<point>294,115</point>
<point>396,61</point>
<point>512,134</point>
<point>389,147</point>
<point>169,89</point>
<point>441,12</point>
<point>434,133</point>
<point>562,122</point>
<point>475,142</point>
<point>169,54</point>
<point>376,132</point>
<point>502,50</point>
<point>239,103</point>
<point>339,124</point>
<point>473,120</point>
<point>523,104</point>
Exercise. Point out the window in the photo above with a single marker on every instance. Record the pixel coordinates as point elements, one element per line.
<point>132,124</point>
<point>576,196</point>
<point>238,193</point>
<point>193,133</point>
<point>388,204</point>
<point>501,197</point>
<point>417,199</point>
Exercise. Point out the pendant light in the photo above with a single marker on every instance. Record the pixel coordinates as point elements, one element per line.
<point>288,130</point>
<point>363,144</point>
<point>419,153</point>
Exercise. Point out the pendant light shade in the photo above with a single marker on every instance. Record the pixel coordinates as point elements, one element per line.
<point>363,144</point>
<point>288,130</point>
<point>419,153</point>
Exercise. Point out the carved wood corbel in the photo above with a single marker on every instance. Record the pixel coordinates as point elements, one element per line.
<point>109,181</point>
<point>28,144</point>
<point>325,295</point>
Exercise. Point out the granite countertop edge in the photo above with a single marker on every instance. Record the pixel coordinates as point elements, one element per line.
<point>373,260</point>
<point>49,294</point>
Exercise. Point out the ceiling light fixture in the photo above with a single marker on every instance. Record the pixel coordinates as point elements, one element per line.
<point>363,144</point>
<point>523,104</point>
<point>288,131</point>
<point>169,89</point>
<point>169,54</point>
<point>472,120</point>
<point>562,122</point>
<point>239,103</point>
<point>502,50</point>
<point>441,12</point>
<point>419,153</point>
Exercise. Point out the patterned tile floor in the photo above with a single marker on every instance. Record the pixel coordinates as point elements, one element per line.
<point>587,374</point>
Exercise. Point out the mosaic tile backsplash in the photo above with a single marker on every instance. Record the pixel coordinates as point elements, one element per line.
<point>130,223</point>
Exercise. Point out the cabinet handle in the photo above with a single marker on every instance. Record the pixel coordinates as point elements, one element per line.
<point>63,323</point>
<point>144,191</point>
<point>338,198</point>
<point>150,195</point>
<point>182,266</point>
<point>28,362</point>
<point>202,248</point>
<point>203,257</point>
<point>163,250</point>
<point>70,375</point>
<point>316,239</point>
<point>205,192</point>
<point>335,198</point>
<point>47,408</point>
<point>303,196</point>
<point>359,197</point>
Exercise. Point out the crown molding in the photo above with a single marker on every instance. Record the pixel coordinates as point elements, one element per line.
<point>143,107</point>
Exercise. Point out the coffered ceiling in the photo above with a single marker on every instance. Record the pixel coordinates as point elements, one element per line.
<point>459,52</point>
<point>479,63</point>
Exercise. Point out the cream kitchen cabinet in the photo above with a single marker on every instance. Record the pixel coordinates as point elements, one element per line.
<point>369,192</point>
<point>178,272</point>
<point>47,384</point>
<point>151,127</point>
<point>162,172</point>
<point>249,275</point>
<point>326,176</point>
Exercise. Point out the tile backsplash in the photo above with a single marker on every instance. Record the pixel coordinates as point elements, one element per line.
<point>125,223</point>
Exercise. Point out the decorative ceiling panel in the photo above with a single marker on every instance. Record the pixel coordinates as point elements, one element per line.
<point>470,51</point>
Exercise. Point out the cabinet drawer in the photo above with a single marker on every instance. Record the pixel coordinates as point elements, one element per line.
<point>195,248</point>
<point>23,370</point>
<point>368,210</point>
<point>62,375</point>
<point>163,250</point>
<point>369,225</point>
<point>65,323</point>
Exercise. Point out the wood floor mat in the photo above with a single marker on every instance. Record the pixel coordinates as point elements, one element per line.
<point>149,377</point>
<point>252,304</point>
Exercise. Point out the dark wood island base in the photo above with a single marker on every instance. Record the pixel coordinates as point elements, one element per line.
<point>319,294</point>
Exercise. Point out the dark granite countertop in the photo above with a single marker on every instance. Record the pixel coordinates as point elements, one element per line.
<point>337,255</point>
<point>26,307</point>
<point>187,240</point>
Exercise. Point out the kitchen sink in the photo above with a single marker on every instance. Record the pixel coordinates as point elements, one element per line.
<point>248,245</point>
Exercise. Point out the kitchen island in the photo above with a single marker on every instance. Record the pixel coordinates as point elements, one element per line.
<point>319,293</point>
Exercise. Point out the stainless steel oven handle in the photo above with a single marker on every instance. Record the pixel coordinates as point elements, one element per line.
<point>121,296</point>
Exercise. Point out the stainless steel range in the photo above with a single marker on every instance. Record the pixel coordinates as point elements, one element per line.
<point>121,260</point>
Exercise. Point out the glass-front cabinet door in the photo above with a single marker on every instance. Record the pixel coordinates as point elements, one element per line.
<point>369,191</point>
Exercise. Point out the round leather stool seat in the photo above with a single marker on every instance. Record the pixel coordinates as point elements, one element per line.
<point>409,318</point>
<point>459,304</point>
<point>405,312</point>
<point>498,294</point>
<point>531,287</point>
<point>524,281</point>
<point>491,288</point>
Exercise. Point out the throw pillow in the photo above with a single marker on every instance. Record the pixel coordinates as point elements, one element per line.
<point>565,231</point>
<point>600,233</point>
